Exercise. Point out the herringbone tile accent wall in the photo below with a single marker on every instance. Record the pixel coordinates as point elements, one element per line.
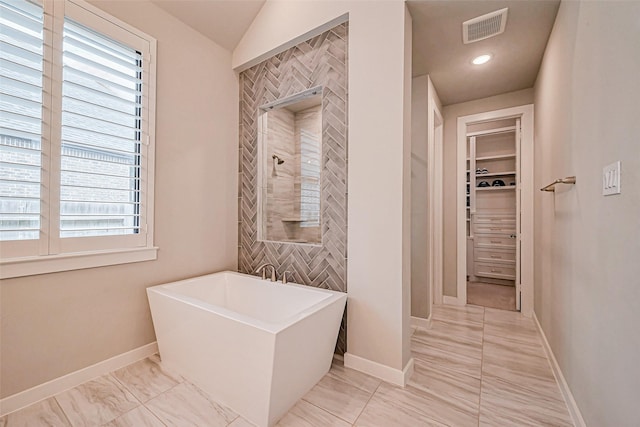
<point>320,61</point>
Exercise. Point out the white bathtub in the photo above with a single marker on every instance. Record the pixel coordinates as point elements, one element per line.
<point>253,345</point>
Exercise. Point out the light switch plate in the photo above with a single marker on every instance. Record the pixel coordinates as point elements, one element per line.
<point>611,179</point>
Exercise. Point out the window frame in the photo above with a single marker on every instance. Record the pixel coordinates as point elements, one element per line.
<point>51,253</point>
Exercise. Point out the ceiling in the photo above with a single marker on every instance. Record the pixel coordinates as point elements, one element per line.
<point>437,40</point>
<point>517,53</point>
<point>223,21</point>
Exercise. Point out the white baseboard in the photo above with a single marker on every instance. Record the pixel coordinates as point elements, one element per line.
<point>421,322</point>
<point>574,411</point>
<point>448,300</point>
<point>58,385</point>
<point>375,369</point>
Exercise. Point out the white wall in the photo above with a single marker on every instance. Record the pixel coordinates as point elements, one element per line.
<point>379,156</point>
<point>58,323</point>
<point>420,299</point>
<point>405,285</point>
<point>451,114</point>
<point>424,170</point>
<point>587,274</point>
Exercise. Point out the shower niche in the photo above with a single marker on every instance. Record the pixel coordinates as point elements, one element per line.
<point>289,168</point>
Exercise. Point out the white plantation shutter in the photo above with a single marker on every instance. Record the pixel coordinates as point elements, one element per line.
<point>101,135</point>
<point>21,77</point>
<point>77,117</point>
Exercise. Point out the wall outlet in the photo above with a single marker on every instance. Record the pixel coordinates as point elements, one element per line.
<point>611,179</point>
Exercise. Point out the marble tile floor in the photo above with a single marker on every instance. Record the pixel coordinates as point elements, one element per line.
<point>475,366</point>
<point>491,295</point>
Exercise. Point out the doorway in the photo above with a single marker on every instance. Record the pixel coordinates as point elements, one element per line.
<point>495,207</point>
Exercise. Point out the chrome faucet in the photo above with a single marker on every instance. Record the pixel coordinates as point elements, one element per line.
<point>263,269</point>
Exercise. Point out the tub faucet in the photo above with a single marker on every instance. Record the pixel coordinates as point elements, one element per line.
<point>284,277</point>
<point>263,269</point>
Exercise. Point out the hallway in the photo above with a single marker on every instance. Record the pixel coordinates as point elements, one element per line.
<point>475,367</point>
<point>488,368</point>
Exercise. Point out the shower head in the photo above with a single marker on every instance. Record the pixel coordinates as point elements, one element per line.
<point>278,159</point>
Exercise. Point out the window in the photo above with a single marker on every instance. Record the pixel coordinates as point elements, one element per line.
<point>76,138</point>
<point>310,167</point>
<point>21,56</point>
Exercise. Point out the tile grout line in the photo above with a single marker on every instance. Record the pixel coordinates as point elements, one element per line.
<point>62,410</point>
<point>158,395</point>
<point>484,315</point>
<point>509,381</point>
<point>338,378</point>
<point>365,405</point>
<point>133,409</point>
<point>125,387</point>
<point>543,356</point>
<point>235,419</point>
<point>142,404</point>
<point>319,407</point>
<point>109,375</point>
<point>155,416</point>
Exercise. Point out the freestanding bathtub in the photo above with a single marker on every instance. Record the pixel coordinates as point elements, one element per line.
<point>253,345</point>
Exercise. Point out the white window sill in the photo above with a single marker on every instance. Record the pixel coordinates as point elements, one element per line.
<point>30,266</point>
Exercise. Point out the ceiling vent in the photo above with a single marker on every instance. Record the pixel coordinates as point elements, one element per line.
<point>484,26</point>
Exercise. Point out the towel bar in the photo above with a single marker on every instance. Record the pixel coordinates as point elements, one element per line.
<point>552,186</point>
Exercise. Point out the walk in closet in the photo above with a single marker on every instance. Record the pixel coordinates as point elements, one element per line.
<point>491,211</point>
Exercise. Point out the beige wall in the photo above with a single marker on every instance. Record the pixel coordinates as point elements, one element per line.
<point>451,114</point>
<point>587,274</point>
<point>58,323</point>
<point>424,100</point>
<point>406,45</point>
<point>379,156</point>
<point>419,190</point>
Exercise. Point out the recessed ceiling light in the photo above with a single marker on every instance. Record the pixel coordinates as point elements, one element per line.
<point>482,59</point>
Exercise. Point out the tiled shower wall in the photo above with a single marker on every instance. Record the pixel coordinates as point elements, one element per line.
<point>320,61</point>
<point>280,191</point>
<point>284,182</point>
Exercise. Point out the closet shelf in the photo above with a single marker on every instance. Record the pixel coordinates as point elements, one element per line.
<point>480,175</point>
<point>490,219</point>
<point>498,157</point>
<point>497,188</point>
